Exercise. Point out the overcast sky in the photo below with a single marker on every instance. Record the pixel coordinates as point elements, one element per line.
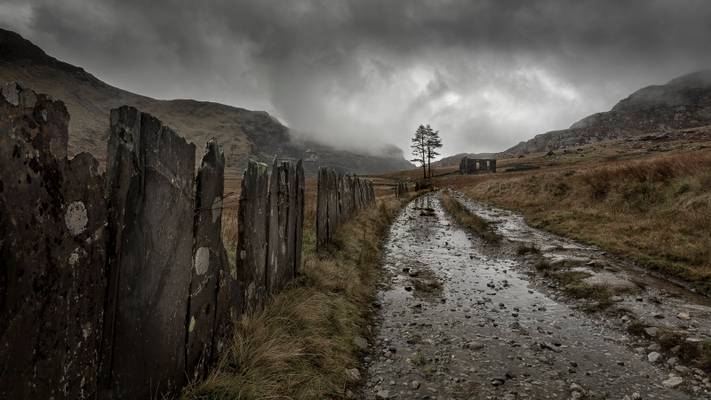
<point>361,73</point>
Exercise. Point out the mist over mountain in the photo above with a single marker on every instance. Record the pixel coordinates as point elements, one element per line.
<point>242,133</point>
<point>358,74</point>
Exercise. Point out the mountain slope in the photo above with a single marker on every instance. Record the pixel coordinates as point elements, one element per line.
<point>682,103</point>
<point>242,133</point>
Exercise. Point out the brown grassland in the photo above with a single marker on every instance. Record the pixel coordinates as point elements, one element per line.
<point>655,210</point>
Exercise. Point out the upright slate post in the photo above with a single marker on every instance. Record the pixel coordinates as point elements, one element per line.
<point>52,279</point>
<point>230,305</point>
<point>150,177</point>
<point>357,194</point>
<point>300,187</point>
<point>277,249</point>
<point>492,164</point>
<point>207,261</point>
<point>340,189</point>
<point>253,235</point>
<point>322,227</point>
<point>333,215</point>
<point>289,272</point>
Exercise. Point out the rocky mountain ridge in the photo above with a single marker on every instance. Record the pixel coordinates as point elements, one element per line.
<point>243,133</point>
<point>682,103</point>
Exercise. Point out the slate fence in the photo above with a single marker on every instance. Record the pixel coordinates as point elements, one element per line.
<point>339,196</point>
<point>401,188</point>
<point>118,286</point>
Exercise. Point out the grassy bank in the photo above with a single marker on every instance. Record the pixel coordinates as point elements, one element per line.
<point>656,211</point>
<point>469,220</point>
<point>302,344</point>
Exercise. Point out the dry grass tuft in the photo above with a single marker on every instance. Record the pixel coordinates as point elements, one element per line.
<point>469,220</point>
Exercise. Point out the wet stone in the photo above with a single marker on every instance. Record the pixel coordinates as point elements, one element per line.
<point>53,282</point>
<point>150,183</point>
<point>207,262</point>
<point>252,230</point>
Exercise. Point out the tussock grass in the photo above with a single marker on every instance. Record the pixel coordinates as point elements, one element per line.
<point>301,344</point>
<point>573,284</point>
<point>697,353</point>
<point>656,211</point>
<point>467,219</point>
<point>527,248</point>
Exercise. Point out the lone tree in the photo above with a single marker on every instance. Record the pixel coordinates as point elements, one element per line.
<point>432,143</point>
<point>419,149</point>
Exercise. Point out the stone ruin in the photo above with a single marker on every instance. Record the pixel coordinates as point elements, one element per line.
<point>470,166</point>
<point>119,286</point>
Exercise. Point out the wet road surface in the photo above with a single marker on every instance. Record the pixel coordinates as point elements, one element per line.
<point>459,319</point>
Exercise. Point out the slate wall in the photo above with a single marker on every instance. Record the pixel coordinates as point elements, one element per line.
<point>150,197</point>
<point>338,198</point>
<point>118,286</point>
<point>401,188</point>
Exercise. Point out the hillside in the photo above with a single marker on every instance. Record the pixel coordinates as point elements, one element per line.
<point>242,133</point>
<point>682,103</point>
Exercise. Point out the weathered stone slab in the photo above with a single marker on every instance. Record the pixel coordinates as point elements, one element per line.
<point>252,236</point>
<point>322,227</point>
<point>230,305</point>
<point>401,189</point>
<point>150,196</point>
<point>289,272</point>
<point>340,194</point>
<point>338,198</point>
<point>347,196</point>
<point>52,279</point>
<point>279,265</point>
<point>207,261</point>
<point>299,231</point>
<point>332,195</point>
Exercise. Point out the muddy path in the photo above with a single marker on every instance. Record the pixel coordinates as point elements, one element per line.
<point>462,319</point>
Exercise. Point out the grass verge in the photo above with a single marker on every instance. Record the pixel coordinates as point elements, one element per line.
<point>301,345</point>
<point>467,219</point>
<point>574,285</point>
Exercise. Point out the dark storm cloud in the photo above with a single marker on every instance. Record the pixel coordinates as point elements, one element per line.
<point>361,73</point>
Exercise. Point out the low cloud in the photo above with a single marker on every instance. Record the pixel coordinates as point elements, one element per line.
<point>362,73</point>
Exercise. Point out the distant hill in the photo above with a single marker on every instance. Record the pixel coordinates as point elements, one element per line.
<point>682,103</point>
<point>242,133</point>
